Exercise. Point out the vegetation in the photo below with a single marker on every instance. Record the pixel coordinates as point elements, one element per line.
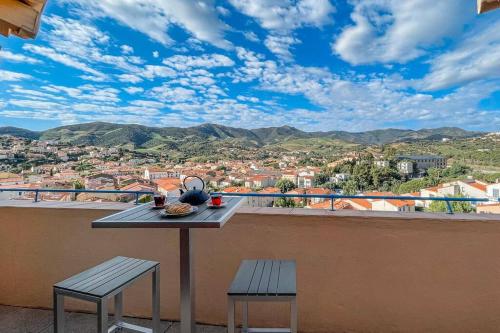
<point>285,202</point>
<point>457,206</point>
<point>285,185</point>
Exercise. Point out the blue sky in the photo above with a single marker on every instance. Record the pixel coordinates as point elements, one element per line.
<point>313,64</point>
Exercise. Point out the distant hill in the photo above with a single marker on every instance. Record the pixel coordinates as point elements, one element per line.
<point>108,134</point>
<point>19,132</point>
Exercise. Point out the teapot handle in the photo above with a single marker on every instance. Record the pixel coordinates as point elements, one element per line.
<point>184,182</point>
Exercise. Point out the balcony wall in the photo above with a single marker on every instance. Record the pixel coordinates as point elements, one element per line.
<point>357,272</point>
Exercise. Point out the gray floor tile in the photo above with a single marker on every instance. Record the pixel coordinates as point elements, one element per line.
<point>22,320</point>
<point>175,328</point>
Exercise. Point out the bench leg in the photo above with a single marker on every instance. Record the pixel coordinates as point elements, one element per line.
<point>230,315</point>
<point>293,315</point>
<point>102,316</point>
<point>58,313</point>
<point>244,327</point>
<point>156,300</point>
<point>119,308</point>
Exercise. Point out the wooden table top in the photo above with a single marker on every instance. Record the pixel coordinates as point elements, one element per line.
<point>144,216</point>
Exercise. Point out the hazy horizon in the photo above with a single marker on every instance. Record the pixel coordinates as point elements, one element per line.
<point>244,128</point>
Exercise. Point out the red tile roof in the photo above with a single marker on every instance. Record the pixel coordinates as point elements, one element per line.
<point>237,189</point>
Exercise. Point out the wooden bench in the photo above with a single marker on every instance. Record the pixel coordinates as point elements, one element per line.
<point>263,280</point>
<point>103,281</point>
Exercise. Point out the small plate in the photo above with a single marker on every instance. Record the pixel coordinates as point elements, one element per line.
<point>194,209</point>
<point>212,206</point>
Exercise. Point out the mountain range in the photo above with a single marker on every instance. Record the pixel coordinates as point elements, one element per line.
<point>110,134</point>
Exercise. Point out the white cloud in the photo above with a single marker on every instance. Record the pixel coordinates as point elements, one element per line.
<point>13,76</point>
<point>9,56</point>
<point>153,71</point>
<point>80,45</point>
<point>147,104</point>
<point>251,36</point>
<point>167,94</point>
<point>476,57</point>
<point>287,14</point>
<point>30,93</point>
<point>130,78</point>
<point>87,92</point>
<point>156,54</point>
<point>133,90</point>
<point>399,31</point>
<point>223,11</point>
<point>127,49</point>
<point>361,102</point>
<point>183,62</point>
<point>62,58</point>
<point>280,45</point>
<point>154,17</point>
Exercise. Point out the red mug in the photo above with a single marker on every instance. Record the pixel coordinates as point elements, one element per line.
<point>216,200</point>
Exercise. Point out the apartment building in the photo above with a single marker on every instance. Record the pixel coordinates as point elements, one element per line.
<point>423,162</point>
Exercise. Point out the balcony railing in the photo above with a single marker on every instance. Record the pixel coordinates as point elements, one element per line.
<point>331,197</point>
<point>137,194</point>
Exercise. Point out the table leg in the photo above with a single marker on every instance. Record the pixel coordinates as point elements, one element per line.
<point>188,324</point>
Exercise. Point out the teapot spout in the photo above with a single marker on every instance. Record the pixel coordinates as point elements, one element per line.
<point>181,190</point>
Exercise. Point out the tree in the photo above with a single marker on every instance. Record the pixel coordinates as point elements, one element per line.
<point>457,206</point>
<point>414,185</point>
<point>320,179</point>
<point>78,185</point>
<point>350,187</point>
<point>330,185</point>
<point>284,202</point>
<point>389,153</point>
<point>285,185</point>
<point>456,170</point>
<point>384,178</point>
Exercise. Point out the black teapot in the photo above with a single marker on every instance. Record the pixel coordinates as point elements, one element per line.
<point>193,197</point>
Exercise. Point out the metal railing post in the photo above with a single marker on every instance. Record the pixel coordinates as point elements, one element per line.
<point>36,195</point>
<point>449,207</point>
<point>136,198</point>
<point>332,204</point>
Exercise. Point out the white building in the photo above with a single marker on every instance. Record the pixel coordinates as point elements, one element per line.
<point>393,205</point>
<point>405,167</point>
<point>155,173</point>
<point>424,162</point>
<point>381,163</point>
<point>493,191</point>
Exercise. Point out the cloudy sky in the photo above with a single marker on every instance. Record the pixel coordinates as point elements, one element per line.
<point>313,64</point>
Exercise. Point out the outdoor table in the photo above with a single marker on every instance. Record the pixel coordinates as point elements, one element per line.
<point>144,216</point>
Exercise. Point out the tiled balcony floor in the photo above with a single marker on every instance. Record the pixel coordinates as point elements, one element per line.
<point>23,320</point>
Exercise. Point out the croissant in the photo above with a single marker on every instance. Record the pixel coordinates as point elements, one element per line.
<point>178,208</point>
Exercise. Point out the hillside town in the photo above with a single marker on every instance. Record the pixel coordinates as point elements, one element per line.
<point>28,165</point>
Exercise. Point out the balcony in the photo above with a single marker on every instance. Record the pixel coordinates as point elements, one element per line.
<point>358,271</point>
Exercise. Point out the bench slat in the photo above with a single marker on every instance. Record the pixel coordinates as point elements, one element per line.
<point>82,285</point>
<point>107,277</point>
<point>272,289</point>
<point>287,284</point>
<point>122,279</point>
<point>89,272</point>
<point>266,275</point>
<point>265,278</point>
<point>257,276</point>
<point>243,277</point>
